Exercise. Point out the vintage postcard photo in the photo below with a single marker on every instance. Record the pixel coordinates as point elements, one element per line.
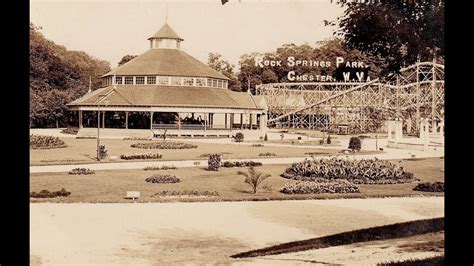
<point>236,132</point>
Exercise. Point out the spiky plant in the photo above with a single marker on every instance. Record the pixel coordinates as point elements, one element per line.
<point>254,178</point>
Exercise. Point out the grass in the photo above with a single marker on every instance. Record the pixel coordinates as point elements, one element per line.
<point>112,185</point>
<point>433,261</point>
<point>391,231</point>
<point>84,151</point>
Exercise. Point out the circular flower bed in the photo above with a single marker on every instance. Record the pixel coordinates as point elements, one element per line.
<point>164,145</point>
<point>46,142</point>
<point>81,171</point>
<point>140,156</point>
<point>48,194</point>
<point>163,179</point>
<point>371,171</point>
<point>186,193</point>
<point>307,187</point>
<point>241,164</point>
<point>430,187</point>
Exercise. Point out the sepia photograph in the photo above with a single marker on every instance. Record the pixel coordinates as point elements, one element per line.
<point>237,132</point>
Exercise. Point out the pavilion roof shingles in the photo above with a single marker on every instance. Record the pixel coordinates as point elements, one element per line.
<point>165,62</point>
<point>166,32</point>
<point>169,96</point>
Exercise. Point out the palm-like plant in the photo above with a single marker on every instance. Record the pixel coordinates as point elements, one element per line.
<point>254,178</point>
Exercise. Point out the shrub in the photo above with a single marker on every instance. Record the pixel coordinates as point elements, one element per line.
<point>430,187</point>
<point>299,138</point>
<point>164,167</point>
<point>214,162</point>
<point>192,193</point>
<point>47,194</point>
<point>321,142</point>
<point>140,156</point>
<point>366,171</point>
<point>162,179</point>
<point>86,137</point>
<point>254,178</point>
<point>241,164</point>
<point>307,187</point>
<point>328,141</point>
<point>102,151</point>
<point>137,138</point>
<point>257,145</point>
<point>70,130</point>
<point>266,137</point>
<point>239,137</point>
<point>46,142</point>
<point>164,145</point>
<point>355,144</point>
<point>81,171</point>
<point>267,154</point>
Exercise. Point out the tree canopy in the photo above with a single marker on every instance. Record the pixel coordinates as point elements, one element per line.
<point>58,76</point>
<point>216,62</point>
<point>399,31</point>
<point>125,59</point>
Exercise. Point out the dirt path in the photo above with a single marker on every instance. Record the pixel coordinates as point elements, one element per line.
<point>177,233</point>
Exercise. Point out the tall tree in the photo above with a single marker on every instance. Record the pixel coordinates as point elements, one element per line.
<point>216,62</point>
<point>399,31</point>
<point>125,59</point>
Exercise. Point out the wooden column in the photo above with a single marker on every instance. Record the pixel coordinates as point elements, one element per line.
<point>231,124</point>
<point>151,120</point>
<point>179,121</point>
<point>241,121</point>
<point>250,120</point>
<point>126,119</point>
<point>205,121</point>
<point>103,119</point>
<point>225,121</point>
<point>80,118</point>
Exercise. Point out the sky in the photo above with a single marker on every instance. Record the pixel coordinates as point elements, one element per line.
<point>111,29</point>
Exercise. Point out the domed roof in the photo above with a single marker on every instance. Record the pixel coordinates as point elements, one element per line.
<point>166,32</point>
<point>166,62</point>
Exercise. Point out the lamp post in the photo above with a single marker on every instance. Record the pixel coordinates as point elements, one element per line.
<point>101,96</point>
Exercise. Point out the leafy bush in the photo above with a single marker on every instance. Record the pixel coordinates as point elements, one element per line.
<point>239,137</point>
<point>430,187</point>
<point>307,187</point>
<point>191,193</point>
<point>81,171</point>
<point>162,179</point>
<point>266,137</point>
<point>355,144</point>
<point>328,141</point>
<point>257,145</point>
<point>164,145</point>
<point>299,138</point>
<point>48,194</point>
<point>241,164</point>
<point>366,171</point>
<point>254,178</point>
<point>164,167</point>
<point>206,155</point>
<point>267,154</point>
<point>46,142</point>
<point>140,156</point>
<point>70,130</point>
<point>214,161</point>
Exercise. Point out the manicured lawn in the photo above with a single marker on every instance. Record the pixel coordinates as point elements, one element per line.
<point>84,151</point>
<point>112,185</point>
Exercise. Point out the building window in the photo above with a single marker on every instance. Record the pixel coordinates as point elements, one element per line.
<point>214,82</point>
<point>150,80</point>
<point>200,82</point>
<point>188,81</point>
<point>220,83</point>
<point>128,80</point>
<point>176,81</point>
<point>209,82</point>
<point>118,80</point>
<point>163,80</point>
<point>139,80</point>
<point>225,84</point>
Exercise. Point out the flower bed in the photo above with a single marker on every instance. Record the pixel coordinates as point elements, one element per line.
<point>46,142</point>
<point>137,138</point>
<point>48,194</point>
<point>162,179</point>
<point>258,145</point>
<point>241,164</point>
<point>186,193</point>
<point>164,145</point>
<point>140,156</point>
<point>164,167</point>
<point>307,187</point>
<point>430,187</point>
<point>70,130</point>
<point>81,171</point>
<point>267,154</point>
<point>371,171</point>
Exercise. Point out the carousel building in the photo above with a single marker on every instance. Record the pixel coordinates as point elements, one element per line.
<point>167,89</point>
